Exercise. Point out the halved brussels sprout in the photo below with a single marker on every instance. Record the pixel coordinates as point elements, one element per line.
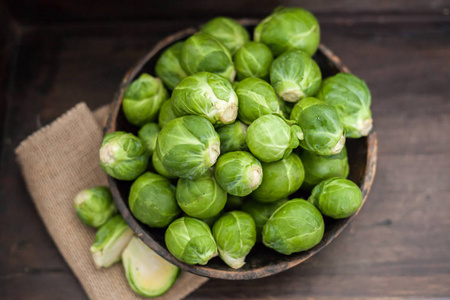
<point>280,179</point>
<point>256,98</point>
<point>295,226</point>
<point>336,198</point>
<point>148,135</point>
<point>166,113</point>
<point>232,137</point>
<point>294,75</point>
<point>188,146</point>
<point>204,53</point>
<point>235,234</point>
<point>207,95</point>
<point>289,28</point>
<point>190,240</point>
<point>168,66</point>
<point>234,203</point>
<point>143,99</point>
<point>152,200</point>
<point>157,164</point>
<point>253,60</point>
<point>148,274</point>
<point>320,167</point>
<point>270,138</point>
<point>201,198</point>
<point>260,213</point>
<point>123,155</point>
<point>229,32</point>
<point>95,206</point>
<point>239,173</point>
<point>321,126</point>
<point>110,240</point>
<point>351,98</point>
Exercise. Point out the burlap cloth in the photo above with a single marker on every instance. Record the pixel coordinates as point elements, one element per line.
<point>57,162</point>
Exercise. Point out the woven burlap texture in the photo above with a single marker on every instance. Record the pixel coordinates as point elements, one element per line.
<point>57,162</point>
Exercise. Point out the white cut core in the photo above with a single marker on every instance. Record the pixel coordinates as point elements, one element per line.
<point>228,114</point>
<point>235,263</point>
<point>112,252</point>
<point>365,127</point>
<point>81,197</point>
<point>339,145</point>
<point>214,152</point>
<point>107,153</point>
<point>255,175</point>
<point>292,95</point>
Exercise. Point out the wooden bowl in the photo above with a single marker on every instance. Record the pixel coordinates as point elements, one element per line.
<point>261,261</point>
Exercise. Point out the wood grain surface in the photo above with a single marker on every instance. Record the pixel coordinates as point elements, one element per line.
<point>398,247</point>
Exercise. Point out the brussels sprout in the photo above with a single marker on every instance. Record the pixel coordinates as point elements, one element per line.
<point>166,113</point>
<point>232,137</point>
<point>289,28</point>
<point>148,274</point>
<point>294,75</point>
<point>320,167</point>
<point>295,226</point>
<point>235,234</point>
<point>207,95</point>
<point>143,99</point>
<point>229,32</point>
<point>270,138</point>
<point>336,197</point>
<point>157,164</point>
<point>256,98</point>
<point>123,155</point>
<point>168,66</point>
<point>201,198</point>
<point>203,52</point>
<point>152,200</point>
<point>188,146</point>
<point>321,126</point>
<point>234,203</point>
<point>280,179</point>
<point>95,206</point>
<point>190,240</point>
<point>110,240</point>
<point>238,173</point>
<point>351,98</point>
<point>148,134</point>
<point>260,213</point>
<point>253,60</point>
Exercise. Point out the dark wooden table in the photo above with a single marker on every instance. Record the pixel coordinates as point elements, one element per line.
<point>56,55</point>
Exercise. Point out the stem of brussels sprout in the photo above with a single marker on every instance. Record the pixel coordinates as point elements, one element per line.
<point>235,263</point>
<point>290,91</point>
<point>107,153</point>
<point>255,176</point>
<point>80,198</point>
<point>213,153</point>
<point>229,114</point>
<point>339,145</point>
<point>365,127</point>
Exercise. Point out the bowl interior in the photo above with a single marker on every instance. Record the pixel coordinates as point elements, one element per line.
<point>261,261</point>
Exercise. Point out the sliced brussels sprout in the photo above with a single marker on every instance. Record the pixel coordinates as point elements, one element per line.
<point>148,274</point>
<point>234,203</point>
<point>280,179</point>
<point>270,138</point>
<point>229,32</point>
<point>166,113</point>
<point>320,167</point>
<point>123,155</point>
<point>253,60</point>
<point>235,234</point>
<point>190,240</point>
<point>295,226</point>
<point>204,53</point>
<point>336,197</point>
<point>152,200</point>
<point>95,206</point>
<point>168,66</point>
<point>260,213</point>
<point>148,135</point>
<point>232,137</point>
<point>351,98</point>
<point>256,98</point>
<point>201,198</point>
<point>294,76</point>
<point>289,28</point>
<point>239,173</point>
<point>188,146</point>
<point>157,164</point>
<point>207,95</point>
<point>143,99</point>
<point>110,240</point>
<point>322,128</point>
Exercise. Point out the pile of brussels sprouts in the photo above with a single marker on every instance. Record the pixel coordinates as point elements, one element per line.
<point>229,130</point>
